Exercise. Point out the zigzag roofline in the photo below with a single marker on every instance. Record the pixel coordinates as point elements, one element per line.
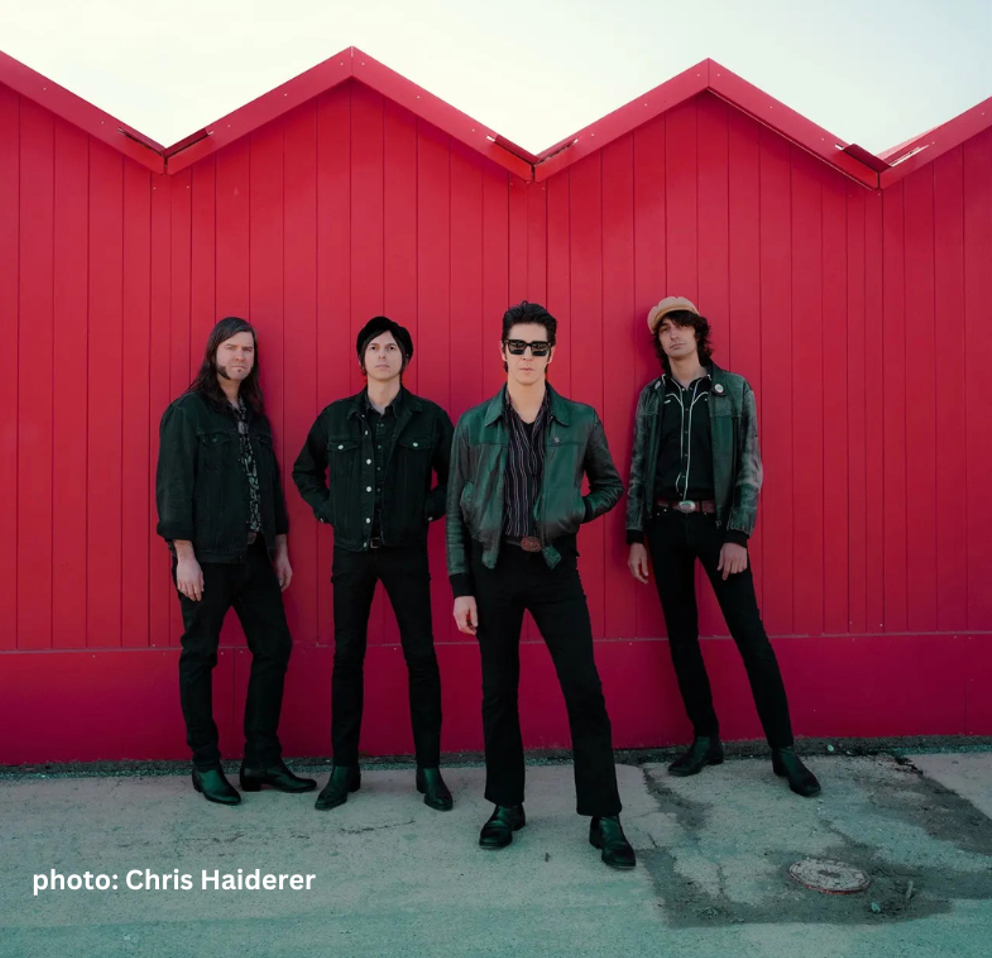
<point>873,171</point>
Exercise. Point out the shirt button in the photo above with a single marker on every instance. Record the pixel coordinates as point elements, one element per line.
<point>368,488</point>
<point>368,520</point>
<point>368,462</point>
<point>341,446</point>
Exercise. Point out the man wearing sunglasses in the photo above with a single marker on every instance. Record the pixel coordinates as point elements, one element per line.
<point>694,481</point>
<point>381,450</point>
<point>515,505</point>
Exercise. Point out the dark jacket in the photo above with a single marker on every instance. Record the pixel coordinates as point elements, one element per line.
<point>339,447</point>
<point>201,489</point>
<point>575,445</point>
<point>736,456</point>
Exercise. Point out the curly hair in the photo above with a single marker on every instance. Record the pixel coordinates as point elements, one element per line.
<point>685,318</point>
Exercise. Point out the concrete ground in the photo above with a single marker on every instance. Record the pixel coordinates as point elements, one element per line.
<point>392,877</point>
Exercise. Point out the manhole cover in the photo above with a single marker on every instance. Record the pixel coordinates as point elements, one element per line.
<point>827,875</point>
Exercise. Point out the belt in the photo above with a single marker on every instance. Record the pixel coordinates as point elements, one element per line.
<point>527,543</point>
<point>687,506</point>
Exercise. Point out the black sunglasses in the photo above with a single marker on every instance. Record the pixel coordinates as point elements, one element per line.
<point>517,347</point>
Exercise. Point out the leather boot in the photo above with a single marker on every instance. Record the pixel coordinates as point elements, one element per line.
<point>344,779</point>
<point>786,764</point>
<point>432,787</point>
<point>214,787</point>
<point>504,821</point>
<point>605,832</point>
<point>705,750</point>
<point>276,776</point>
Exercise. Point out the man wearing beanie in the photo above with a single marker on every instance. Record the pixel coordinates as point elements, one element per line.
<point>378,450</point>
<point>695,476</point>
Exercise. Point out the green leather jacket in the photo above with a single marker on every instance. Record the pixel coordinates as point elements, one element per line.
<point>575,445</point>
<point>737,469</point>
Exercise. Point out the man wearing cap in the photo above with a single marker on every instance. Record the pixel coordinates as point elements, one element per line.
<point>515,505</point>
<point>379,450</point>
<point>695,476</point>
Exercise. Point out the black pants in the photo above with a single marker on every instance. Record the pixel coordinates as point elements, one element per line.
<point>252,588</point>
<point>675,542</point>
<point>554,597</point>
<point>405,573</point>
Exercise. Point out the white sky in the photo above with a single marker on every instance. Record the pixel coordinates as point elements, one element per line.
<point>534,70</point>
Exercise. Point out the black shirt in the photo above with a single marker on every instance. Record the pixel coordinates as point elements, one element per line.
<point>524,467</point>
<point>685,450</point>
<point>383,427</point>
<point>248,464</point>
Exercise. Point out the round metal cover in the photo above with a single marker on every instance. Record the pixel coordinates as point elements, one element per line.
<point>830,876</point>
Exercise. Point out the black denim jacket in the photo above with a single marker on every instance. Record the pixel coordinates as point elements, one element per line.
<point>200,487</point>
<point>339,449</point>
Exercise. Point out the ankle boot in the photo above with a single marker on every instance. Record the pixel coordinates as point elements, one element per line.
<point>705,750</point>
<point>276,776</point>
<point>214,787</point>
<point>432,787</point>
<point>605,832</point>
<point>504,821</point>
<point>344,779</point>
<point>786,764</point>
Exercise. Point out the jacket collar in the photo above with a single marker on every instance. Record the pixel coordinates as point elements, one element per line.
<point>558,407</point>
<point>715,373</point>
<point>407,401</point>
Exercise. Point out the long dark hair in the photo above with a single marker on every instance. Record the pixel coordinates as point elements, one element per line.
<point>206,379</point>
<point>685,318</point>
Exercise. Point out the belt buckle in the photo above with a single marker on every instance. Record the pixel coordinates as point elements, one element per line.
<point>375,542</point>
<point>530,544</point>
<point>686,506</point>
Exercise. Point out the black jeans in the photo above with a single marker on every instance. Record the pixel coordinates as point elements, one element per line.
<point>405,574</point>
<point>675,542</point>
<point>554,597</point>
<point>252,588</point>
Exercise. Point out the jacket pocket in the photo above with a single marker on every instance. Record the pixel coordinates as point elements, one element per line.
<point>217,451</point>
<point>342,458</point>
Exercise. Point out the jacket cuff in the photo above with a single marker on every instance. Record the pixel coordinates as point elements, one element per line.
<point>736,536</point>
<point>172,531</point>
<point>634,535</point>
<point>461,584</point>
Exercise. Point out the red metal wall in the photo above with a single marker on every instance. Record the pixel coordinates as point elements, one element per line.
<point>862,318</point>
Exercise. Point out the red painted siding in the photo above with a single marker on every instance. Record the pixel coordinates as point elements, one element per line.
<point>861,317</point>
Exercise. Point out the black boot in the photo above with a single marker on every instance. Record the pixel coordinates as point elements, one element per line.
<point>432,787</point>
<point>276,776</point>
<point>504,821</point>
<point>344,779</point>
<point>606,832</point>
<point>704,751</point>
<point>786,764</point>
<point>214,787</point>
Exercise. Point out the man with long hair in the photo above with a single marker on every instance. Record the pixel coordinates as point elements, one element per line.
<point>222,512</point>
<point>515,505</point>
<point>381,450</point>
<point>695,476</point>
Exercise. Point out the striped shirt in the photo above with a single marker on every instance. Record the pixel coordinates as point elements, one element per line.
<point>524,467</point>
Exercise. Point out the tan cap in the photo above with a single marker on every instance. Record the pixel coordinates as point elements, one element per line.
<point>668,305</point>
